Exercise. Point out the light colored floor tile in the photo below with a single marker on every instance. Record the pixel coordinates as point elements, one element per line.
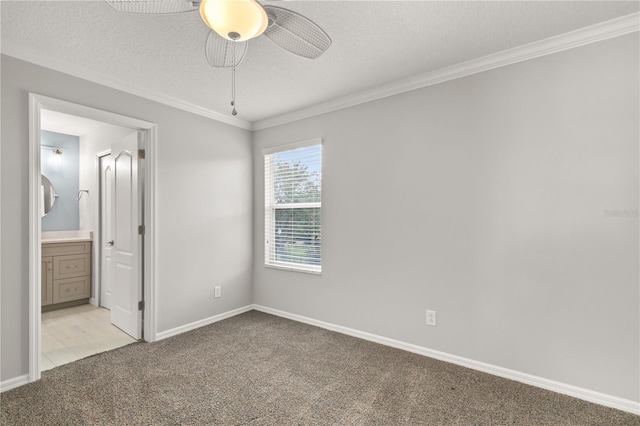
<point>61,356</point>
<point>45,363</point>
<point>62,330</point>
<point>74,333</point>
<point>50,343</point>
<point>86,349</point>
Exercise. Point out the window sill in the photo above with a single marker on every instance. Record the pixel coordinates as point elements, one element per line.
<point>289,267</point>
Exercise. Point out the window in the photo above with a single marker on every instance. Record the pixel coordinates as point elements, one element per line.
<point>293,205</point>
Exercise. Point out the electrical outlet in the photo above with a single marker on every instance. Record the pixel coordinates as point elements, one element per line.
<point>431,318</point>
<point>217,291</point>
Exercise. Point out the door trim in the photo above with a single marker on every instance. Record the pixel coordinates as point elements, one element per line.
<point>148,132</point>
<point>97,239</point>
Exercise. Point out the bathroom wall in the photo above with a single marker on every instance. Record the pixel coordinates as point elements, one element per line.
<point>63,172</point>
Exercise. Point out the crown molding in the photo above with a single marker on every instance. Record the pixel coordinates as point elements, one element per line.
<point>75,70</point>
<point>580,37</point>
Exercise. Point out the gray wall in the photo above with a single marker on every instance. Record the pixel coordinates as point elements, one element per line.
<point>485,199</point>
<point>64,176</point>
<point>204,228</point>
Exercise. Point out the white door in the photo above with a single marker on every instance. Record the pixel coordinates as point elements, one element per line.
<point>126,275</point>
<point>106,230</point>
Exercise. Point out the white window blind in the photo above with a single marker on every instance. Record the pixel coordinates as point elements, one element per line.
<point>293,205</point>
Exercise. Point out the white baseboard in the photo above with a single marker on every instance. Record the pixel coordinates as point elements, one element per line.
<point>5,385</point>
<point>562,388</point>
<point>201,323</point>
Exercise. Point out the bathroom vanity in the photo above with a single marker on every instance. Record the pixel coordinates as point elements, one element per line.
<point>66,268</point>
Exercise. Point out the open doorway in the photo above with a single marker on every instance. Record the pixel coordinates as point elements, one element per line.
<point>117,214</point>
<point>77,238</point>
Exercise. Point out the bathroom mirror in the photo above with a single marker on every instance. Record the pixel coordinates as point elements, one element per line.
<point>48,194</point>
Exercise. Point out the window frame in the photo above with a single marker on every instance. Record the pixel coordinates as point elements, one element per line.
<point>270,207</point>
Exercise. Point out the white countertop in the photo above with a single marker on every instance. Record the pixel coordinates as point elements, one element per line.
<point>66,236</point>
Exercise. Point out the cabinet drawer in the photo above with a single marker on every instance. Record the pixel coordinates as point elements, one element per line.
<point>56,249</point>
<point>73,265</point>
<point>71,289</point>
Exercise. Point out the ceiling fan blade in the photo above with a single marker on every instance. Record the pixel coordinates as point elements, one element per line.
<point>154,6</point>
<point>224,53</point>
<point>295,33</point>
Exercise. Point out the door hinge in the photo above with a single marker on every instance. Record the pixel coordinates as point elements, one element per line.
<point>141,154</point>
<point>141,305</point>
<point>140,229</point>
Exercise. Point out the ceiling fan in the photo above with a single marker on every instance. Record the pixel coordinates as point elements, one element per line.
<point>234,22</point>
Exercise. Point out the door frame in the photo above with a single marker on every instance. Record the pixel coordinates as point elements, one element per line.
<point>98,278</point>
<point>148,132</point>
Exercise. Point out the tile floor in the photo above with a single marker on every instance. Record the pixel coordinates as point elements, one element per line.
<point>74,333</point>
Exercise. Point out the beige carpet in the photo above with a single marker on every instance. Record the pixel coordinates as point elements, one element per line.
<point>257,369</point>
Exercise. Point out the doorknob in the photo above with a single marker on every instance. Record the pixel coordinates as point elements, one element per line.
<point>110,243</point>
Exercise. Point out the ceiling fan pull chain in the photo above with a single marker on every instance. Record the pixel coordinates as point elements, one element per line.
<point>233,82</point>
<point>233,91</point>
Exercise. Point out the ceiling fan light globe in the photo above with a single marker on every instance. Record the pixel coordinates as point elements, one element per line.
<point>230,18</point>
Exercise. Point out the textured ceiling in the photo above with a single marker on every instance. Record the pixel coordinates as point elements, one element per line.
<point>374,43</point>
